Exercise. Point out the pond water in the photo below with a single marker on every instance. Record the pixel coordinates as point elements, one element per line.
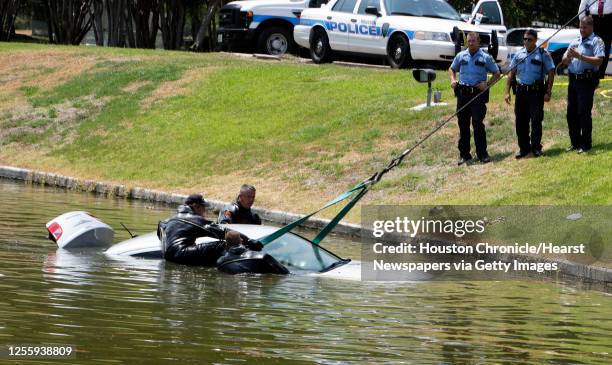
<point>149,311</point>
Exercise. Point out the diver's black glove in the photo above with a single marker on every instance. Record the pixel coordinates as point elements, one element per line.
<point>254,245</point>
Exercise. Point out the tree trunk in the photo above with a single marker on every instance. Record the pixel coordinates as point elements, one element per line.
<point>213,7</point>
<point>121,18</point>
<point>195,25</point>
<point>8,13</point>
<point>149,23</point>
<point>130,28</point>
<point>112,21</point>
<point>69,20</point>
<point>172,22</point>
<point>98,26</point>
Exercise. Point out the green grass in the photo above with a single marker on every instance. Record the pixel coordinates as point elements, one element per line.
<point>302,132</point>
<point>29,91</point>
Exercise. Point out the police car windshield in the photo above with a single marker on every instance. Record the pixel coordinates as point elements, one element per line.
<point>430,8</point>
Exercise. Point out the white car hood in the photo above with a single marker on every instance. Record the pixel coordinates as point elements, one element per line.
<point>438,25</point>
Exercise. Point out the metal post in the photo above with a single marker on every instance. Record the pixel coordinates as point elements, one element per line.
<point>429,94</point>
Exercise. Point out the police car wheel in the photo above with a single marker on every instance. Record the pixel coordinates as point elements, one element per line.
<point>398,52</point>
<point>320,52</point>
<point>275,41</point>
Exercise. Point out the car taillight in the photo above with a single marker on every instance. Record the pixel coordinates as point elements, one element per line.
<point>55,230</point>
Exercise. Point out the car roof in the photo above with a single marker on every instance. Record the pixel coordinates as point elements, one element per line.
<point>252,231</point>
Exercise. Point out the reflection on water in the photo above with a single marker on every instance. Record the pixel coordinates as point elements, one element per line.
<point>137,310</point>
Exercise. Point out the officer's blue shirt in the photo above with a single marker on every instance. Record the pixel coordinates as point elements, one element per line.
<point>473,68</point>
<point>531,66</point>
<point>589,46</point>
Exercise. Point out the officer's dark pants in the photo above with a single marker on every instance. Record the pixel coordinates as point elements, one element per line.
<point>602,27</point>
<point>579,105</point>
<point>529,106</point>
<point>474,113</point>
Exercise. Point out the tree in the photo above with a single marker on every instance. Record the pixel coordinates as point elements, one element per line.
<point>96,12</point>
<point>68,20</point>
<point>130,23</point>
<point>207,27</point>
<point>116,11</point>
<point>145,15</point>
<point>8,13</point>
<point>172,22</point>
<point>195,9</point>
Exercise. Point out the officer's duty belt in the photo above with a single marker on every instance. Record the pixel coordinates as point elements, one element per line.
<point>583,77</point>
<point>467,90</point>
<point>536,86</point>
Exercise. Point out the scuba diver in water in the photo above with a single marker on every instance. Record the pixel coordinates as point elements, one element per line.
<point>178,235</point>
<point>239,212</point>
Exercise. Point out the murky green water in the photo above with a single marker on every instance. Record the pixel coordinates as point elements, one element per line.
<point>149,311</point>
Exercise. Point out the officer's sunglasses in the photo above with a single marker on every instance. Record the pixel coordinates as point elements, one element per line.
<point>528,39</point>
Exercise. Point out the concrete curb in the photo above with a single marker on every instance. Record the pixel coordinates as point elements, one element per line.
<point>71,183</point>
<point>586,273</point>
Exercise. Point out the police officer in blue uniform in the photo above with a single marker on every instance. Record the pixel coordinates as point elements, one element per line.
<point>528,71</point>
<point>472,65</point>
<point>584,56</point>
<point>601,11</point>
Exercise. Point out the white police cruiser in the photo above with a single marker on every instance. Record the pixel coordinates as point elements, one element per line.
<point>405,31</point>
<point>268,24</point>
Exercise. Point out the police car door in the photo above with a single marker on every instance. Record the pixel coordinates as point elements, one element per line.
<point>365,34</point>
<point>337,24</point>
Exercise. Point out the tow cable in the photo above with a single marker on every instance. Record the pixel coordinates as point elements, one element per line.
<point>363,187</point>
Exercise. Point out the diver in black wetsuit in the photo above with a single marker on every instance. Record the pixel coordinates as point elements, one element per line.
<point>178,235</point>
<point>240,211</point>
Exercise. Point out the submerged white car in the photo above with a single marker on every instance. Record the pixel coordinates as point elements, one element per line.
<point>294,252</point>
<point>402,31</point>
<point>298,255</point>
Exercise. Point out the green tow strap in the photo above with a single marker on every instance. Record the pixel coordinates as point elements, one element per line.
<point>329,226</point>
<point>361,188</point>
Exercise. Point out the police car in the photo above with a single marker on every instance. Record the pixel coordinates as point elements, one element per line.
<point>402,31</point>
<point>265,24</point>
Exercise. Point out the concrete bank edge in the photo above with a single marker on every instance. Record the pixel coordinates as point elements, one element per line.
<point>72,183</point>
<point>582,271</point>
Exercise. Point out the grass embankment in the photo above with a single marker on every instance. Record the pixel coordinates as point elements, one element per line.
<point>301,133</point>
